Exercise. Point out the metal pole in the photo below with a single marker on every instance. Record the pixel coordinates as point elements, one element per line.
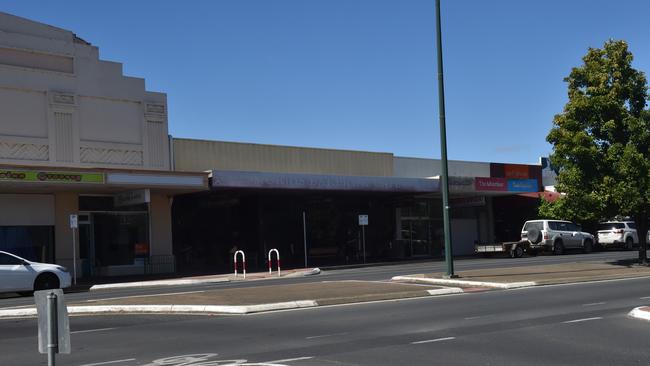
<point>443,150</point>
<point>363,233</point>
<point>74,256</point>
<point>304,235</point>
<point>52,330</point>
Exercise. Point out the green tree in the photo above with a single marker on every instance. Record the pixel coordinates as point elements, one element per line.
<point>601,142</point>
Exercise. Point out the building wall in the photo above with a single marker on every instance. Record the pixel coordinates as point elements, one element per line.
<point>419,168</point>
<point>63,106</point>
<point>200,155</point>
<point>161,225</point>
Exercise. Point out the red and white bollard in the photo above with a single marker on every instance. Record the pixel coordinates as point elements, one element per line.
<point>277,254</point>
<point>243,259</point>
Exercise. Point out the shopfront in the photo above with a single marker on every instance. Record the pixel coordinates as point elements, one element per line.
<point>124,217</point>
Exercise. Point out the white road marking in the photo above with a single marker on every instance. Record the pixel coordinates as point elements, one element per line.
<point>290,359</point>
<point>134,296</point>
<point>581,320</point>
<point>108,362</point>
<point>434,340</point>
<point>644,298</point>
<point>91,330</point>
<point>594,304</point>
<point>326,335</point>
<point>473,317</point>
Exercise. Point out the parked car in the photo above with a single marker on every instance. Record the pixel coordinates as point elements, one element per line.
<point>23,276</point>
<point>556,236</point>
<point>618,234</point>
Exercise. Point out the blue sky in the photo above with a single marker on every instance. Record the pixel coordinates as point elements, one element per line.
<point>356,74</point>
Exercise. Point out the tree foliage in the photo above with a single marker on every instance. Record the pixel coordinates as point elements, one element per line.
<point>601,141</point>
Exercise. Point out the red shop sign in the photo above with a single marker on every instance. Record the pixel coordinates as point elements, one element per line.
<point>490,184</point>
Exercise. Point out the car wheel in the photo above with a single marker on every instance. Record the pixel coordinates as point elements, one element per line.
<point>46,281</point>
<point>518,252</point>
<point>629,243</point>
<point>558,248</point>
<point>588,247</point>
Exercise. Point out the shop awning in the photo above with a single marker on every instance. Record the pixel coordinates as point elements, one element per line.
<point>224,179</point>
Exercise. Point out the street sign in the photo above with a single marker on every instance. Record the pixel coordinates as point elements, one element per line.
<point>363,220</point>
<point>61,322</point>
<point>74,221</point>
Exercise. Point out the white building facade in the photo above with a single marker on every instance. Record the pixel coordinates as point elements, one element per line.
<point>77,137</point>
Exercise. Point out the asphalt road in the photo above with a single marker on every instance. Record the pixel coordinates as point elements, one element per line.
<point>581,324</point>
<point>373,273</point>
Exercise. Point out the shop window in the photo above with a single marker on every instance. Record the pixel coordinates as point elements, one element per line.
<point>35,243</point>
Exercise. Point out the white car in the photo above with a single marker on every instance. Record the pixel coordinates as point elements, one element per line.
<point>22,276</point>
<point>617,233</point>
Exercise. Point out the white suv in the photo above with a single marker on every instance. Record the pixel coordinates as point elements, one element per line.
<point>618,234</point>
<point>556,236</point>
<point>20,275</point>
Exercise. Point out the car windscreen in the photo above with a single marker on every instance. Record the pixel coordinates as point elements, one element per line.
<point>611,226</point>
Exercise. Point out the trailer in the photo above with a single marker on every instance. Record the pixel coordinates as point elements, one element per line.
<point>514,249</point>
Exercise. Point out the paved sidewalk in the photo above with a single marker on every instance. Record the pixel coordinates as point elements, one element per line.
<point>192,280</point>
<point>250,300</point>
<point>536,275</point>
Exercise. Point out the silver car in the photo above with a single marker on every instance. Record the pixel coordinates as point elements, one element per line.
<point>556,236</point>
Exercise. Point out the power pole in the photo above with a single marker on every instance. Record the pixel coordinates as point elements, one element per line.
<point>443,151</point>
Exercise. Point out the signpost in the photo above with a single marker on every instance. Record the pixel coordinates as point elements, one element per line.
<point>363,222</point>
<point>304,235</point>
<point>74,225</point>
<point>53,324</point>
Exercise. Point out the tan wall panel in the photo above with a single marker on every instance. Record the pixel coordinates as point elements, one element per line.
<point>199,155</point>
<point>161,225</point>
<point>65,204</point>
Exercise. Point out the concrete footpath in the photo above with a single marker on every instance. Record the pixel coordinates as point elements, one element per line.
<point>293,296</point>
<point>250,300</point>
<point>537,275</point>
<point>196,280</point>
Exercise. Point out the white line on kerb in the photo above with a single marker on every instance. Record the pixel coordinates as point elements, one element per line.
<point>594,304</point>
<point>325,335</point>
<point>108,362</point>
<point>130,297</point>
<point>581,320</point>
<point>288,359</point>
<point>91,330</point>
<point>434,340</point>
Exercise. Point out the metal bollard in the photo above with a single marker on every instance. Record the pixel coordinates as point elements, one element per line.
<point>277,254</point>
<point>243,257</point>
<point>52,330</point>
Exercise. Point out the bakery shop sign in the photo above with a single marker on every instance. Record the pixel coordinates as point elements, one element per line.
<point>50,176</point>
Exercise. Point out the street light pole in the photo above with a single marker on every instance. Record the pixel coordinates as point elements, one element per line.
<point>443,151</point>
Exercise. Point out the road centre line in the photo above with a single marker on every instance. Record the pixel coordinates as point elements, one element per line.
<point>434,340</point>
<point>594,304</point>
<point>581,320</point>
<point>288,360</point>
<point>151,295</point>
<point>326,335</point>
<point>108,362</point>
<point>91,330</point>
